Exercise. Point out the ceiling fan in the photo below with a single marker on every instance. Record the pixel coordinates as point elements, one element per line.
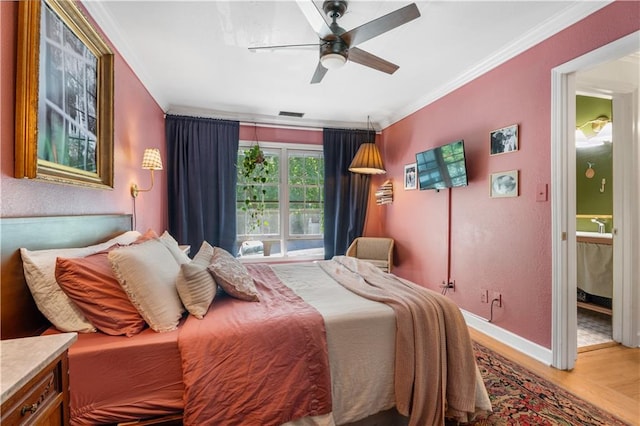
<point>338,45</point>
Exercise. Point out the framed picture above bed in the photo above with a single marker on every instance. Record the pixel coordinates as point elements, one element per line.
<point>64,97</point>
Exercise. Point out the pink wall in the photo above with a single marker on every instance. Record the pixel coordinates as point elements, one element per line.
<point>139,124</point>
<point>276,134</point>
<point>497,244</point>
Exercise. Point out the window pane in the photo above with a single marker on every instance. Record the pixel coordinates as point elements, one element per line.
<point>305,189</point>
<point>296,194</point>
<point>257,196</point>
<point>260,235</point>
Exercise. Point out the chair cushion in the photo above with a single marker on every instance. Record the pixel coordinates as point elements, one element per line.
<point>373,248</point>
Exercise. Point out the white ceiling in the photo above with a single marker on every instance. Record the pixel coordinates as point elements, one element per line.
<point>193,56</point>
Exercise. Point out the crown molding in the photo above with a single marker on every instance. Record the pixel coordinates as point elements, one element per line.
<point>575,12</point>
<point>572,14</point>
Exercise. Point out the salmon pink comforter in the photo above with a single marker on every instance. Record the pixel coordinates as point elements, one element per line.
<point>262,363</point>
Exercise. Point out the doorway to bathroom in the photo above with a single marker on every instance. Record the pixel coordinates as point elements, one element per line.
<point>594,215</point>
<point>611,71</point>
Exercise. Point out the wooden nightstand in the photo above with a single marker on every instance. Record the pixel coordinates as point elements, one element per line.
<point>35,380</point>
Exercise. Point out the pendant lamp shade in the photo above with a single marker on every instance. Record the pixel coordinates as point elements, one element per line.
<point>367,160</point>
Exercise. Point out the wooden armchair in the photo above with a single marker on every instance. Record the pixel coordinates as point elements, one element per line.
<point>376,250</point>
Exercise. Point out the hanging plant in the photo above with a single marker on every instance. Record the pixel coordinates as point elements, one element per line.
<point>254,171</point>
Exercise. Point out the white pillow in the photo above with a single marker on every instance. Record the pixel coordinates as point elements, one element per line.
<point>180,256</point>
<point>147,272</point>
<point>40,273</point>
<point>195,284</point>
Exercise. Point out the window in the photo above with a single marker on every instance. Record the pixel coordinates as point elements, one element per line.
<point>292,224</point>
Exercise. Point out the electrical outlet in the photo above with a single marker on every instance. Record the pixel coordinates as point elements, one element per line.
<point>497,296</point>
<point>484,295</point>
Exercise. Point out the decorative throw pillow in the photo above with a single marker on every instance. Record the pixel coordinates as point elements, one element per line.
<point>232,276</point>
<point>170,242</point>
<point>39,271</point>
<point>90,283</point>
<point>195,284</point>
<point>147,272</point>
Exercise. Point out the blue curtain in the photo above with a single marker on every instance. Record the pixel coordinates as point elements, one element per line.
<point>345,193</point>
<point>202,176</point>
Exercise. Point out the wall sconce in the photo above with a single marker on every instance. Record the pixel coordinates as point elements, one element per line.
<point>368,160</point>
<point>151,160</point>
<point>600,129</point>
<point>598,124</point>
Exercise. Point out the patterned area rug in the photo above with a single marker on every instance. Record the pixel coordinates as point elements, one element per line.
<point>519,397</point>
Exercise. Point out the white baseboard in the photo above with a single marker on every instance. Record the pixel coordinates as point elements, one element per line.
<point>510,339</point>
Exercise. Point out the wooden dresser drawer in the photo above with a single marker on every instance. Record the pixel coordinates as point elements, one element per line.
<point>43,400</point>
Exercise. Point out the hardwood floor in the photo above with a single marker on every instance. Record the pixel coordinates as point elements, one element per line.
<point>608,377</point>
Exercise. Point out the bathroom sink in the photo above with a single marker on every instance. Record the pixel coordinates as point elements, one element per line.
<point>594,235</point>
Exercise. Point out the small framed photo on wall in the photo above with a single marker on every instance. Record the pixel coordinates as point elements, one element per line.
<point>410,176</point>
<point>504,184</point>
<point>504,140</point>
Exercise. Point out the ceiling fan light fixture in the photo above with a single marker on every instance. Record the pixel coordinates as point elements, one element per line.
<point>332,60</point>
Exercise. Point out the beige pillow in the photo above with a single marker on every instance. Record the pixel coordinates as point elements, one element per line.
<point>195,284</point>
<point>232,276</point>
<point>147,272</point>
<point>39,271</point>
<point>170,242</point>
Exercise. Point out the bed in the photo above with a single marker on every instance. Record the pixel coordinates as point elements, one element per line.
<point>351,378</point>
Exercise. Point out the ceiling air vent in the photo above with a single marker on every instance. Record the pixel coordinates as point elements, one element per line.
<point>291,114</point>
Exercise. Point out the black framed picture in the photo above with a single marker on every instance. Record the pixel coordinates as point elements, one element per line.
<point>504,140</point>
<point>410,175</point>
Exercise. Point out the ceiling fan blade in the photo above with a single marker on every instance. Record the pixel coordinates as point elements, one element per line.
<point>286,46</point>
<point>318,74</point>
<point>381,25</point>
<point>315,17</point>
<point>372,61</point>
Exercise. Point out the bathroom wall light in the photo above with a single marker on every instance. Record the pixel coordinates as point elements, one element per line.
<point>600,130</point>
<point>605,134</point>
<point>598,124</point>
<point>151,160</point>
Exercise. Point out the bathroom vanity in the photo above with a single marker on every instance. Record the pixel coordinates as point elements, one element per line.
<point>595,270</point>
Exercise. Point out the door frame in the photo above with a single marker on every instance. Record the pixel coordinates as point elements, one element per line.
<point>563,206</point>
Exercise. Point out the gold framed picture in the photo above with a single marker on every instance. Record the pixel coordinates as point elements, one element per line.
<point>64,97</point>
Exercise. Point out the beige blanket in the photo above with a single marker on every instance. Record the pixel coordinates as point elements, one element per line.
<point>435,372</point>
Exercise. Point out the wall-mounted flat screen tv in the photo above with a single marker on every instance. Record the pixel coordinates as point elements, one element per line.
<point>442,167</point>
